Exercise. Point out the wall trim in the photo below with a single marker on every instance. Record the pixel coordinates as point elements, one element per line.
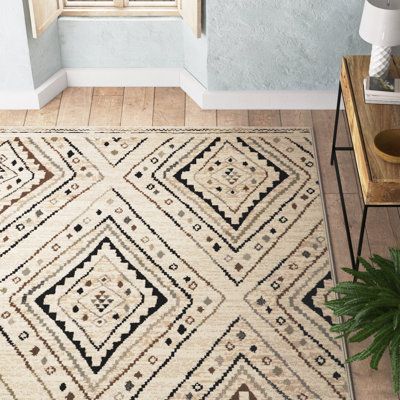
<point>52,87</point>
<point>193,88</point>
<point>168,77</point>
<point>37,98</point>
<point>257,99</point>
<point>270,100</point>
<point>117,77</point>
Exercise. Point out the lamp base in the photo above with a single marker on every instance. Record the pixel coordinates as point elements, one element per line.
<point>380,61</point>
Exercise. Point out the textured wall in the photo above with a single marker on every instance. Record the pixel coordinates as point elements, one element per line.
<point>121,42</point>
<point>196,50</point>
<point>248,45</point>
<point>25,63</point>
<point>15,68</point>
<point>45,55</point>
<point>44,52</point>
<point>280,44</point>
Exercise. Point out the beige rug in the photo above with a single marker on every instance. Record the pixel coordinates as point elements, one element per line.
<point>164,264</point>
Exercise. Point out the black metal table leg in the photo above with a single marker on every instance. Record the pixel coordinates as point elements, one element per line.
<point>361,237</point>
<point>344,211</point>
<point>335,131</point>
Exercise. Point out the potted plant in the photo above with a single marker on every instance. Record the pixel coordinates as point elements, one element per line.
<point>370,307</point>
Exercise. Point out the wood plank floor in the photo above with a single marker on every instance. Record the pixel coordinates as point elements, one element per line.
<point>171,107</point>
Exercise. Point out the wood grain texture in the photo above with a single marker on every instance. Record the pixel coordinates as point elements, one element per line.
<point>323,124</point>
<point>226,118</point>
<point>138,107</point>
<point>370,384</point>
<point>195,116</point>
<point>380,235</point>
<point>75,107</point>
<point>380,180</point>
<point>169,107</point>
<point>108,91</point>
<point>341,257</point>
<point>270,118</point>
<point>297,118</point>
<point>12,117</point>
<point>394,219</point>
<point>106,110</point>
<point>120,12</point>
<point>46,116</point>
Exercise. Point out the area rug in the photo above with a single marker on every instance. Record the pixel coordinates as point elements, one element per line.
<point>161,264</point>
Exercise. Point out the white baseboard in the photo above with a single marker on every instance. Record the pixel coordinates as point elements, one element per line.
<point>120,77</point>
<point>192,87</point>
<point>257,99</point>
<point>52,87</point>
<point>270,100</point>
<point>167,77</point>
<point>34,99</point>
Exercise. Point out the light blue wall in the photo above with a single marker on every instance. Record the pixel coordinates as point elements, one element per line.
<point>15,68</point>
<point>132,43</point>
<point>247,45</point>
<point>196,50</point>
<point>25,63</point>
<point>121,42</point>
<point>280,44</point>
<point>45,53</point>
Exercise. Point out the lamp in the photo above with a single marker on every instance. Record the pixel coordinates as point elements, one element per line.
<point>380,26</point>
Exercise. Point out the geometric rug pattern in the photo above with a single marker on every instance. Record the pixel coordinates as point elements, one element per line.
<point>158,264</point>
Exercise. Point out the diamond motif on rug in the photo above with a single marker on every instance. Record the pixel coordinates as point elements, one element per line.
<point>37,193</point>
<point>235,197</point>
<point>20,173</point>
<point>158,300</point>
<point>104,291</point>
<point>229,181</point>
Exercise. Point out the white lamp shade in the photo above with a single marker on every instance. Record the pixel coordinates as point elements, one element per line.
<point>380,23</point>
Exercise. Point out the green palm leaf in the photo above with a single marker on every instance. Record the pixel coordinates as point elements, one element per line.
<point>371,308</point>
<point>395,363</point>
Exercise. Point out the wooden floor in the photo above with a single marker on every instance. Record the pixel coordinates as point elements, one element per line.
<point>171,107</point>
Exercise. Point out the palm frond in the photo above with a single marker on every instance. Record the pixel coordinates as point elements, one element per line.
<point>371,307</point>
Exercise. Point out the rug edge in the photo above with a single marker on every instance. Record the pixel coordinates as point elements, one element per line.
<point>12,130</point>
<point>331,260</point>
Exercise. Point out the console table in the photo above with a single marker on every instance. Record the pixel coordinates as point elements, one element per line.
<point>379,180</point>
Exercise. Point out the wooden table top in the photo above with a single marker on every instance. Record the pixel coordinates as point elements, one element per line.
<point>380,180</point>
